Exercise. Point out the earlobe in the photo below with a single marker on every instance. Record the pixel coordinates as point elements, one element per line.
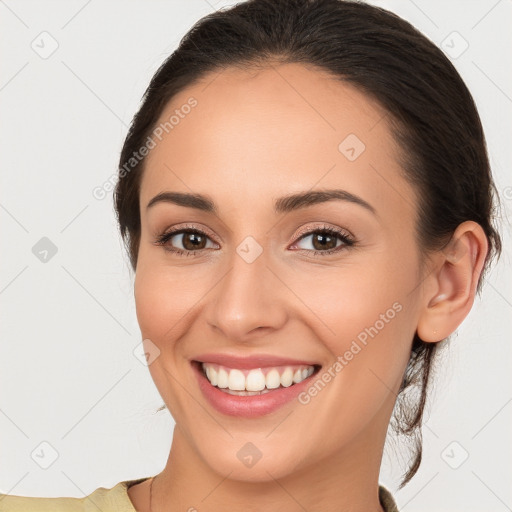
<point>451,287</point>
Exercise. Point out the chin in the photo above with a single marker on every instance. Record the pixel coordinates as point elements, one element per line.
<point>258,461</point>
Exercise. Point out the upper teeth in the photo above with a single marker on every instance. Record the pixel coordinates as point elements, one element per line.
<point>256,379</point>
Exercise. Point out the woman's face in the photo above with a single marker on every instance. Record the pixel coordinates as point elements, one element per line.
<point>267,287</point>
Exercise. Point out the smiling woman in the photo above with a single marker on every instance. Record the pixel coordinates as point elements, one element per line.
<point>303,241</point>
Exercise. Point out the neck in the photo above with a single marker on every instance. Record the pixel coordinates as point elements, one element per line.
<point>345,481</point>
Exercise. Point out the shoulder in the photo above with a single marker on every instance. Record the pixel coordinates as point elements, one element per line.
<point>105,499</point>
<point>11,503</point>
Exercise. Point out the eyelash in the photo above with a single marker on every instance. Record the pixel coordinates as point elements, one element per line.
<point>347,240</point>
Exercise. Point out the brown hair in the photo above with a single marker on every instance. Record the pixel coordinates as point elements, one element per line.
<point>431,113</point>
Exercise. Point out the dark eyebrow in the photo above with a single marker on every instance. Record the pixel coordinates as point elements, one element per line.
<point>281,205</point>
<point>197,201</point>
<point>310,198</point>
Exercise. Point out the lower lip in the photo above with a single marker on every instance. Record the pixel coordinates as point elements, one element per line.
<point>248,406</point>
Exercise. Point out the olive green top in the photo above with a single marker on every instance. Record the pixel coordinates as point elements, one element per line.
<point>115,499</point>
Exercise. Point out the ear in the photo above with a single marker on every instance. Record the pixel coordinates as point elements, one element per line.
<point>450,288</point>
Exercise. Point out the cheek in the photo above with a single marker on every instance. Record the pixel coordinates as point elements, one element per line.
<point>366,318</point>
<point>165,300</point>
<point>371,320</point>
<point>360,302</point>
<point>153,299</point>
<point>165,303</point>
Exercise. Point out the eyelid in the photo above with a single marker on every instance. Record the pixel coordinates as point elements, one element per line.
<point>186,226</point>
<point>176,228</point>
<point>322,226</point>
<point>346,236</point>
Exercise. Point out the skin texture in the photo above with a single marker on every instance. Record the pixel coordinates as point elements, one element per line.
<point>256,135</point>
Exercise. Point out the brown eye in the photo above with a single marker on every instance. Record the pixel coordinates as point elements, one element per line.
<point>324,241</point>
<point>185,241</point>
<point>192,240</point>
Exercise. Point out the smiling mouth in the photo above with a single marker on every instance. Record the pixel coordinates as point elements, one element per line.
<point>255,381</point>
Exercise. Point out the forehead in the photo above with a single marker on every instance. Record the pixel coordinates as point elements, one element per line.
<point>267,132</point>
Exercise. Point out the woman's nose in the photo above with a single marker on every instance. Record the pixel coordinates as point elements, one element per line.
<point>249,300</point>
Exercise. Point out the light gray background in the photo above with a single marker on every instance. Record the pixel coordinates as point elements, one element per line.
<point>68,374</point>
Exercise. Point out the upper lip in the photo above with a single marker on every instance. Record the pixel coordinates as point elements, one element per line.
<point>253,361</point>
